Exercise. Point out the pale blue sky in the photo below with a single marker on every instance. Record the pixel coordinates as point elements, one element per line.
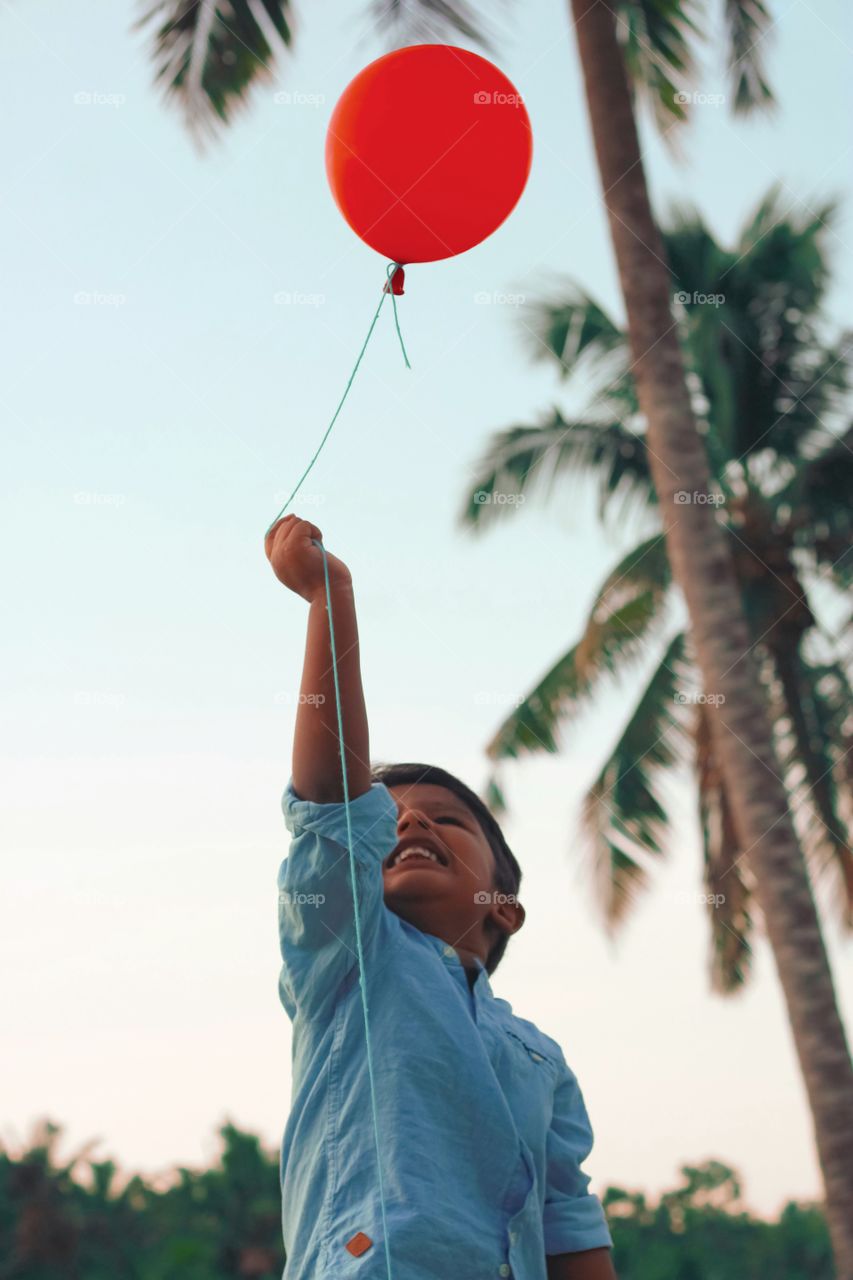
<point>149,657</point>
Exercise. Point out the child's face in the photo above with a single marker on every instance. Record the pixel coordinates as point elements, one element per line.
<point>448,889</point>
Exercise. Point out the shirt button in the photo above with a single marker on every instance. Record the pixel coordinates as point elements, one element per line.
<point>504,1270</point>
<point>513,1236</point>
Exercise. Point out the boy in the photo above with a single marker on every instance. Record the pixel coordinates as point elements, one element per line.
<point>482,1126</point>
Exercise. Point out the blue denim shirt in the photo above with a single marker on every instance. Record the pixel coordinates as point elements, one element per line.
<point>482,1125</point>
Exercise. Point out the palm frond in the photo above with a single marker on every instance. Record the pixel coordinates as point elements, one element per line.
<point>624,818</point>
<point>812,384</point>
<point>531,726</point>
<point>699,267</point>
<point>759,350</point>
<point>695,258</point>
<point>727,894</point>
<point>494,797</point>
<point>626,610</point>
<point>753,337</point>
<point>781,246</point>
<point>814,749</point>
<point>431,21</point>
<point>655,36</point>
<point>817,502</point>
<point>643,571</point>
<point>523,460</point>
<point>564,328</point>
<point>748,23</point>
<point>209,54</point>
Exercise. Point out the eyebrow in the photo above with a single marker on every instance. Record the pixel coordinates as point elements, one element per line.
<point>450,801</point>
<point>457,806</point>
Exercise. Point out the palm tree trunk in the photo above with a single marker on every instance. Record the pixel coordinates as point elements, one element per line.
<point>702,566</point>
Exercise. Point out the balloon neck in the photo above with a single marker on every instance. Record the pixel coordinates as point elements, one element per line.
<point>396,279</point>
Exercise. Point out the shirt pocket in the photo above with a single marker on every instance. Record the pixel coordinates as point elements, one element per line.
<point>531,1082</point>
<point>532,1053</point>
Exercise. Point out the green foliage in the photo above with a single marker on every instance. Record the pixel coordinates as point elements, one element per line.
<point>703,1231</point>
<point>656,37</point>
<point>81,1220</point>
<point>434,22</point>
<point>209,55</point>
<point>747,23</point>
<point>624,817</point>
<point>771,388</point>
<point>525,460</point>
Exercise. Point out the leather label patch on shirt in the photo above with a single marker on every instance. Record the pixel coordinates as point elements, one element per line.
<point>359,1244</point>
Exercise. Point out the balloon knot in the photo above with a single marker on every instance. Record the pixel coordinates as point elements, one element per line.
<point>396,279</point>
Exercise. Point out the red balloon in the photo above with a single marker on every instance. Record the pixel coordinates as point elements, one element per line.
<point>428,151</point>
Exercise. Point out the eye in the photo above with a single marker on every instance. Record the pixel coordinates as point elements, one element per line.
<point>453,821</point>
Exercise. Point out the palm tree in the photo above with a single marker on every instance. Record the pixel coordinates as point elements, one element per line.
<point>765,379</point>
<point>703,566</point>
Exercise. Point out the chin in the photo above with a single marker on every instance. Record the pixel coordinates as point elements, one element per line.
<point>411,895</point>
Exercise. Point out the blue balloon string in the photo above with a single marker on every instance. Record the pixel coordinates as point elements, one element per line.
<point>356,912</point>
<point>390,271</point>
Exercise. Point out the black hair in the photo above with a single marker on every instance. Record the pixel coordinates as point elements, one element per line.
<point>507,870</point>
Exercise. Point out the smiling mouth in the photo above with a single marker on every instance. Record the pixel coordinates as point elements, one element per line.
<point>415,855</point>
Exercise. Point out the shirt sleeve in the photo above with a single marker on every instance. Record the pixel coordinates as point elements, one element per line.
<point>316,919</point>
<point>573,1218</point>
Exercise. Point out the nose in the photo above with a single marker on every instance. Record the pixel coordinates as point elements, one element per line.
<point>409,818</point>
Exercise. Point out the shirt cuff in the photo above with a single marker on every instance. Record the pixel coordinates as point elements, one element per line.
<point>370,814</point>
<point>576,1224</point>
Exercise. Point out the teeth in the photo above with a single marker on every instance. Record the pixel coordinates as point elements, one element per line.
<point>415,853</point>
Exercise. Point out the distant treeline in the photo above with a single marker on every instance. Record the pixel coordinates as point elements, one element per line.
<point>81,1219</point>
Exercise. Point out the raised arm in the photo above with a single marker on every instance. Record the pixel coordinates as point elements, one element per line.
<point>316,771</point>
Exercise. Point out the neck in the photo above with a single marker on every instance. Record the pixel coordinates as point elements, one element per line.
<point>470,958</point>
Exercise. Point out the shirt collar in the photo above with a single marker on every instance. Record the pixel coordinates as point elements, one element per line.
<point>450,957</point>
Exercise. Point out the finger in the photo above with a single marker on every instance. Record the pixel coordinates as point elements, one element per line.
<point>302,530</point>
<point>270,536</point>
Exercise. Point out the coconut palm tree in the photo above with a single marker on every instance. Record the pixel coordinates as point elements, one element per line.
<point>700,554</point>
<point>769,389</point>
<point>210,54</point>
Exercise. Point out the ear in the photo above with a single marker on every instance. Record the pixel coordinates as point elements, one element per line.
<point>506,916</point>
